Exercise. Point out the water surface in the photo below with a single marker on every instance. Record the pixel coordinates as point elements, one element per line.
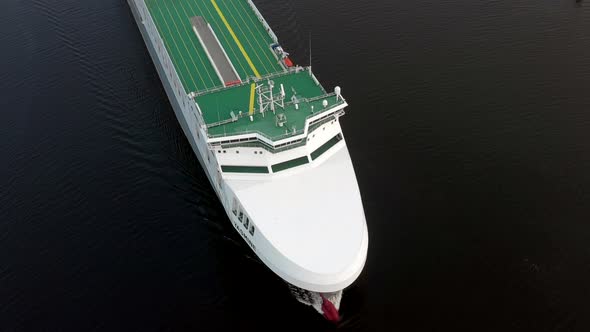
<point>469,128</point>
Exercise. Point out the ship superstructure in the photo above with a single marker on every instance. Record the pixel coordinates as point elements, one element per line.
<point>268,135</point>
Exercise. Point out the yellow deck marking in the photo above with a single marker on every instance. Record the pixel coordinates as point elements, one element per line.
<point>248,39</point>
<point>233,51</point>
<point>232,33</point>
<point>264,48</point>
<point>252,97</point>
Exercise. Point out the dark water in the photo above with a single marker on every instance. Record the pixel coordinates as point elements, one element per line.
<point>469,127</point>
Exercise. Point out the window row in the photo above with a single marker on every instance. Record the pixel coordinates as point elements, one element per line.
<point>243,218</point>
<point>238,151</point>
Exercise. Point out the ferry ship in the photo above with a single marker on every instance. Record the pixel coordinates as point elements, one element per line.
<point>268,135</point>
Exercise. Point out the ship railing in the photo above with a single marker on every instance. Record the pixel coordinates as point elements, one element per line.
<point>282,136</point>
<point>267,139</point>
<point>237,117</point>
<point>263,21</point>
<point>250,80</point>
<point>255,143</point>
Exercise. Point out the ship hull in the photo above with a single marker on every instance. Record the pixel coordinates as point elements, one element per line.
<point>198,147</point>
<point>318,283</point>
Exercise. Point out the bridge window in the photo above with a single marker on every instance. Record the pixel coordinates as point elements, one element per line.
<point>290,164</point>
<point>245,169</point>
<point>252,230</point>
<point>325,147</point>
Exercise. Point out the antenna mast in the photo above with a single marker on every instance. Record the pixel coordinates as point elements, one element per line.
<point>310,50</point>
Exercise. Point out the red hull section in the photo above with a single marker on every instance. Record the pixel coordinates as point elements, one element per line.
<point>330,311</point>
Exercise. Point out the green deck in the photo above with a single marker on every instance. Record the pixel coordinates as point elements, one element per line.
<point>247,44</point>
<point>220,104</point>
<point>172,17</point>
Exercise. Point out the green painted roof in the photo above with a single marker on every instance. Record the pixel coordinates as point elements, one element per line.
<point>218,107</point>
<point>248,46</point>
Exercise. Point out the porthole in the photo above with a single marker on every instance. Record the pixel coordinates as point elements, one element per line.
<point>224,151</point>
<point>255,152</point>
<point>237,151</point>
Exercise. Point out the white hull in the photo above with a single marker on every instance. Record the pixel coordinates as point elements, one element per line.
<point>308,248</point>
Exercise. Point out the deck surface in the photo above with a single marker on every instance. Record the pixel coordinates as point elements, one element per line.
<point>247,44</point>
<point>219,106</point>
<point>240,33</point>
<point>214,50</point>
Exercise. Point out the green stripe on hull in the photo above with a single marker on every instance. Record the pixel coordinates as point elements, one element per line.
<point>290,164</point>
<point>245,169</point>
<point>327,146</point>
